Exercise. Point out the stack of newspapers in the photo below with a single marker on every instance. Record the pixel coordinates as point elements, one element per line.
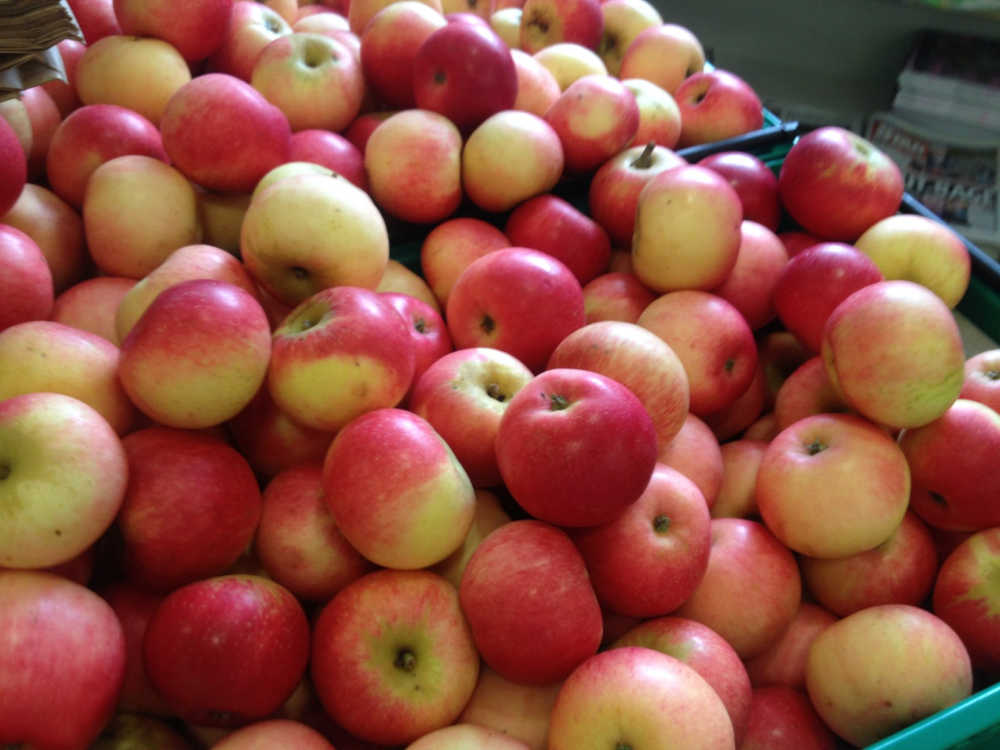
<point>29,33</point>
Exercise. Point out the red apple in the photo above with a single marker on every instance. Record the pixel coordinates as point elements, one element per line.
<point>751,282</point>
<point>982,379</point>
<point>731,421</point>
<point>740,461</point>
<point>665,54</point>
<point>659,116</point>
<point>63,92</point>
<point>537,87</point>
<point>427,330</point>
<point>548,22</point>
<point>196,29</point>
<point>754,181</point>
<point>796,240</point>
<point>781,716</point>
<point>715,105</point>
<point>274,733</point>
<point>695,453</point>
<point>807,391</point>
<point>44,116</point>
<point>251,27</point>
<point>451,246</point>
<point>615,296</point>
<point>96,18</point>
<point>15,166</point>
<point>331,150</point>
<point>784,661</point>
<point>26,286</point>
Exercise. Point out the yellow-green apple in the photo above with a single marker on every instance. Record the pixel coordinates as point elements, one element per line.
<point>26,286</point>
<point>916,248</point>
<point>784,661</point>
<point>92,135</point>
<point>196,28</point>
<point>92,305</point>
<point>750,285</point>
<point>274,733</point>
<point>816,280</point>
<point>695,452</point>
<point>340,353</point>
<point>639,698</point>
<point>56,228</point>
<point>614,189</point>
<point>730,421</point>
<point>647,561</point>
<point>191,508</point>
<point>615,296</point>
<point>427,329</point>
<point>596,117</point>
<point>638,359</point>
<point>528,601</point>
<point>518,710</point>
<point>138,730</point>
<point>516,299</point>
<point>781,716</point>
<point>952,458</point>
<point>42,614</point>
<point>402,279</point>
<point>136,211</point>
<point>836,184</point>
<point>489,516</point>
<point>705,651</point>
<point>223,134</point>
<point>297,541</point>
<point>96,18</point>
<point>331,150</point>
<point>714,105</point>
<point>901,570</point>
<point>451,246</point>
<point>557,227</point>
<point>568,61</point>
<point>413,161</point>
<point>42,355</point>
<point>982,378</point>
<point>416,509</point>
<point>467,737</point>
<point>222,217</point>
<point>687,230</point>
<point>227,650</point>
<point>553,448</point>
<point>63,91</point>
<point>198,354</point>
<point>965,597</point>
<point>313,79</point>
<point>360,13</point>
<point>445,82</point>
<point>624,20</point>
<point>393,657</point>
<point>506,22</point>
<point>548,22</point>
<point>807,391</point>
<point>15,167</point>
<point>883,668</point>
<point>712,340</point>
<point>537,87</point>
<point>664,54</point>
<point>509,158</point>
<point>312,232</point>
<point>659,117</point>
<point>463,395</point>
<point>389,45</point>
<point>44,117</point>
<point>740,462</point>
<point>748,564</point>
<point>251,27</point>
<point>754,181</point>
<point>139,73</point>
<point>833,485</point>
<point>894,352</point>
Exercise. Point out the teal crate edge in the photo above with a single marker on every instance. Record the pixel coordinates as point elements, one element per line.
<point>974,719</point>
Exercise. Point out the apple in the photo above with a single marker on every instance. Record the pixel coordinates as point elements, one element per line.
<point>780,715</point>
<point>223,134</point>
<point>413,161</point>
<point>125,729</point>
<point>575,448</point>
<point>312,232</point>
<point>615,296</point>
<point>780,353</point>
<point>528,601</point>
<point>883,668</point>
<point>359,130</point>
<point>445,83</point>
<point>836,184</point>
<point>537,87</point>
<point>796,240</point>
<point>784,661</point>
<point>393,657</point>
<point>516,299</point>
<point>568,61</point>
<point>807,391</point>
<point>894,351</point>
<point>982,378</point>
<point>623,22</point>
<point>196,29</point>
<point>714,105</point>
<point>139,73</point>
<point>639,698</point>
<point>360,12</point>
<point>227,650</point>
<point>427,328</point>
<point>754,181</point>
<point>695,452</point>
<point>340,353</point>
<point>518,710</point>
<point>92,304</point>
<point>274,733</point>
<point>509,158</point>
<point>26,287</point>
<point>96,18</point>
<point>451,246</point>
<point>596,117</point>
<point>687,230</point>
<point>765,428</point>
<point>63,91</point>
<point>659,117</point>
<point>751,282</point>
<point>548,22</point>
<point>506,22</point>
<point>191,507</point>
<point>15,166</point>
<point>251,27</point>
<point>44,117</point>
<point>665,54</point>
<point>556,227</point>
<point>320,18</point>
<point>467,737</point>
<point>41,613</point>
<point>740,462</point>
<point>222,217</point>
<point>730,421</point>
<point>401,279</point>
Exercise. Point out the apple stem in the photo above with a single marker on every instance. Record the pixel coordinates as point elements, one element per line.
<point>405,660</point>
<point>645,159</point>
<point>815,447</point>
<point>4,471</point>
<point>661,523</point>
<point>557,402</point>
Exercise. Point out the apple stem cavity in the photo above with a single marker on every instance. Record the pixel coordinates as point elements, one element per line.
<point>420,325</point>
<point>493,391</point>
<point>661,524</point>
<point>645,159</point>
<point>557,402</point>
<point>4,471</point>
<point>938,498</point>
<point>992,374</point>
<point>299,273</point>
<point>622,746</point>
<point>313,54</point>
<point>487,324</point>
<point>405,660</point>
<point>440,77</point>
<point>816,446</point>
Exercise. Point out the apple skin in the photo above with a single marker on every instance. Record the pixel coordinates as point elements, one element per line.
<point>715,105</point>
<point>754,182</point>
<point>548,22</point>
<point>807,391</point>
<point>746,563</point>
<point>951,458</point>
<point>659,116</point>
<point>665,55</point>
<point>740,462</point>
<point>615,296</point>
<point>965,597</point>
<point>516,299</point>
<point>451,246</point>
<point>393,657</point>
<point>26,288</point>
<point>568,61</point>
<point>412,509</point>
<point>44,116</point>
<point>781,716</point>
<point>518,710</point>
<point>489,516</point>
<point>638,696</point>
<point>836,184</point>
<point>833,485</point>
<point>464,395</point>
<point>555,226</point>
<point>428,332</point>
<point>274,733</point>
<point>126,730</point>
<point>467,737</point>
<point>537,87</point>
<point>63,92</point>
<point>575,448</point>
<point>251,27</point>
<point>41,613</point>
<point>624,20</point>
<point>15,166</point>
<point>784,661</point>
<point>695,452</point>
<point>223,134</point>
<point>191,507</point>
<point>401,279</point>
<point>982,379</point>
<point>332,150</point>
<point>528,601</point>
<point>885,667</point>
<point>227,650</point>
<point>196,29</point>
<point>894,351</point>
<point>751,282</point>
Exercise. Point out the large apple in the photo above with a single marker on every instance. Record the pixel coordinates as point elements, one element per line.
<point>715,105</point>
<point>196,29</point>
<point>26,288</point>
<point>548,22</point>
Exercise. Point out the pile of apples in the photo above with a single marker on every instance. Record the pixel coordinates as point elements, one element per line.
<point>638,453</point>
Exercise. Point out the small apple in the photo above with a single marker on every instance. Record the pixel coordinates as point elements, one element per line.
<point>92,305</point>
<point>615,296</point>
<point>754,181</point>
<point>982,378</point>
<point>451,246</point>
<point>196,29</point>
<point>623,22</point>
<point>537,87</point>
<point>26,287</point>
<point>548,22</point>
<point>715,105</point>
<point>665,54</point>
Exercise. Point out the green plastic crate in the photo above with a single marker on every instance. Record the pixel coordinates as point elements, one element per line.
<point>973,724</point>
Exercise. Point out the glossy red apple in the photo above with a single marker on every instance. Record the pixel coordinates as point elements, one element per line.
<point>26,291</point>
<point>754,181</point>
<point>715,105</point>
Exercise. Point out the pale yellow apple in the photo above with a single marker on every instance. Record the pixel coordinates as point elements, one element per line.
<point>320,23</point>
<point>520,711</point>
<point>221,218</point>
<point>287,9</point>
<point>567,61</point>
<point>399,278</point>
<point>467,737</point>
<point>665,55</point>
<point>288,169</point>
<point>506,22</point>
<point>537,88</point>
<point>623,22</point>
<point>659,115</point>
<point>489,516</point>
<point>360,12</point>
